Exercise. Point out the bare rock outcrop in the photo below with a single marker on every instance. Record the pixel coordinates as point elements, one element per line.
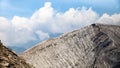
<point>95,46</point>
<point>8,59</point>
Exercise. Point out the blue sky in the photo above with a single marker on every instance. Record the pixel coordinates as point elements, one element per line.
<point>23,23</point>
<point>26,8</point>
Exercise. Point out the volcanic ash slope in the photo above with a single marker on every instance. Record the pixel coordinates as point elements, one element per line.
<point>94,46</point>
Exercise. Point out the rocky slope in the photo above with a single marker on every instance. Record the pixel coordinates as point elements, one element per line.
<point>9,59</point>
<point>95,46</point>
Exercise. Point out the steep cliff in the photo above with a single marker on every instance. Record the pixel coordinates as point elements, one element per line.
<point>94,46</point>
<point>9,59</point>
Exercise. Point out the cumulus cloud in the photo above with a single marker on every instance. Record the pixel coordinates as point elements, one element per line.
<point>3,37</point>
<point>42,35</point>
<point>107,19</point>
<point>47,20</point>
<point>4,24</point>
<point>74,18</point>
<point>20,23</point>
<point>5,28</point>
<point>43,14</point>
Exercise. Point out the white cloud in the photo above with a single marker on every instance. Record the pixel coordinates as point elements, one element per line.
<point>43,14</point>
<point>5,28</point>
<point>23,36</point>
<point>47,20</point>
<point>4,24</point>
<point>107,19</point>
<point>20,23</point>
<point>42,35</point>
<point>3,37</point>
<point>74,18</point>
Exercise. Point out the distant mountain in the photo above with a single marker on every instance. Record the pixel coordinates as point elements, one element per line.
<point>94,46</point>
<point>53,35</point>
<point>19,48</point>
<point>8,59</point>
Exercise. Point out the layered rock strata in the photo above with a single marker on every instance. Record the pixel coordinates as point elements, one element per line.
<point>94,46</point>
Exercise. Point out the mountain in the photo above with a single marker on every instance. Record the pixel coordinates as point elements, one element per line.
<point>8,59</point>
<point>94,46</point>
<point>19,48</point>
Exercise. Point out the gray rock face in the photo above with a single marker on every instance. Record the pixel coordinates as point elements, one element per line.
<point>95,46</point>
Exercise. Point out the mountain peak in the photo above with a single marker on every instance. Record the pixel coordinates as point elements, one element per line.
<point>94,46</point>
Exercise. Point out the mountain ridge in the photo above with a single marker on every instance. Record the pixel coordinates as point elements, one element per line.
<point>74,31</point>
<point>90,47</point>
<point>73,48</point>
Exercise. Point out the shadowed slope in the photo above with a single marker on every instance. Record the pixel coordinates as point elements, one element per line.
<point>9,59</point>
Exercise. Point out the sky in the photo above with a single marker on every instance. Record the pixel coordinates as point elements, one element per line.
<point>27,21</point>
